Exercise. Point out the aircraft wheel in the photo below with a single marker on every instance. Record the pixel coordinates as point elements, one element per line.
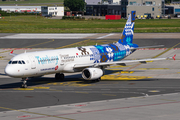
<point>24,86</point>
<point>99,79</point>
<point>57,76</point>
<point>61,76</point>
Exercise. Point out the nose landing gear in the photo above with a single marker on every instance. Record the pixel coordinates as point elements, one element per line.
<point>24,85</point>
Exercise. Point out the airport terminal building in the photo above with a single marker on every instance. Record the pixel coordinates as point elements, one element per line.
<point>145,7</point>
<point>123,7</point>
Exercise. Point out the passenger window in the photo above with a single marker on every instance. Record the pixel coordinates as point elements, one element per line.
<point>10,62</point>
<point>19,62</point>
<point>14,62</point>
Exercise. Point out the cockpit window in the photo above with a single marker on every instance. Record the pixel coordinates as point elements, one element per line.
<point>17,62</point>
<point>23,62</point>
<point>10,62</point>
<point>14,62</point>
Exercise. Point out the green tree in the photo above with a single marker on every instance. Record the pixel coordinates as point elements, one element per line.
<point>75,5</point>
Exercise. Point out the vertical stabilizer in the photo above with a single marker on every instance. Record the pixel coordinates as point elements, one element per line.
<point>128,32</point>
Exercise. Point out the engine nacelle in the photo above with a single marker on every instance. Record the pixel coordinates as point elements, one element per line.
<point>92,73</point>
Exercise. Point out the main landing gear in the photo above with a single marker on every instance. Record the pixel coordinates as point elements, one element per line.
<point>24,85</point>
<point>59,76</point>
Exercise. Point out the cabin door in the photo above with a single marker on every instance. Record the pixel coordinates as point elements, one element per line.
<point>33,63</point>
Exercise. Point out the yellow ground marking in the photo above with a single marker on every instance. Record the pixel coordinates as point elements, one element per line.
<point>40,43</point>
<point>166,51</point>
<point>126,72</point>
<point>113,69</point>
<point>82,92</point>
<point>120,71</point>
<point>131,68</point>
<point>109,94</point>
<point>122,77</point>
<point>35,113</point>
<point>150,61</point>
<point>72,83</point>
<point>1,57</point>
<point>23,89</point>
<point>39,87</point>
<point>77,43</point>
<point>154,91</point>
<point>138,65</point>
<point>152,68</point>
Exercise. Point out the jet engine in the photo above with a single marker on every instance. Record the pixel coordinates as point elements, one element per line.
<point>92,73</point>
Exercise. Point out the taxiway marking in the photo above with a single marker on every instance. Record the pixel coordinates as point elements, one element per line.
<point>166,50</point>
<point>28,46</point>
<point>121,77</point>
<point>77,43</point>
<point>152,68</point>
<point>105,36</point>
<point>40,43</point>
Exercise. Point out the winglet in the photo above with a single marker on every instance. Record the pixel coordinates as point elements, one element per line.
<point>11,53</point>
<point>174,57</point>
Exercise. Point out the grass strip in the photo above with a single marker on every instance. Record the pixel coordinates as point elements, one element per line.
<point>31,24</point>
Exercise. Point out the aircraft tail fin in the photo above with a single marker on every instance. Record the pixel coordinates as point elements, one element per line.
<point>128,32</point>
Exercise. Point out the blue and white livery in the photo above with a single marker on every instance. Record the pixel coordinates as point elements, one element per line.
<point>91,60</point>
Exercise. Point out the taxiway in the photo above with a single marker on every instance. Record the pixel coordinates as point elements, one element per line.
<point>135,91</point>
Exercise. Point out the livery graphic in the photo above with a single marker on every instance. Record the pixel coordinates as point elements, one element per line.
<point>116,51</point>
<point>128,32</point>
<point>83,51</point>
<point>96,55</point>
<point>49,69</point>
<point>47,59</point>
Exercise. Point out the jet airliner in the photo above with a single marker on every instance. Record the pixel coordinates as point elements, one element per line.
<point>90,60</point>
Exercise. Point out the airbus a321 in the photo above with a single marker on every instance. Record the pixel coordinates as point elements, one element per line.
<point>90,60</point>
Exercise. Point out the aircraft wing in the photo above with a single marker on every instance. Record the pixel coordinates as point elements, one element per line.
<point>120,62</point>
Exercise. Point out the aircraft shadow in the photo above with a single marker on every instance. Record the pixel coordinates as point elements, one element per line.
<point>48,80</point>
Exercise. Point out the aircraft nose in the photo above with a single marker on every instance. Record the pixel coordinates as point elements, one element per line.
<point>9,71</point>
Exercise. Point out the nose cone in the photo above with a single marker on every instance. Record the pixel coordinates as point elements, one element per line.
<point>10,71</point>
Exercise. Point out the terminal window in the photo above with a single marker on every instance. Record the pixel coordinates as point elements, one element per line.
<point>132,3</point>
<point>148,2</point>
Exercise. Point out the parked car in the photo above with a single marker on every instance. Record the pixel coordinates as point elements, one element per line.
<point>149,17</point>
<point>48,16</point>
<point>78,15</point>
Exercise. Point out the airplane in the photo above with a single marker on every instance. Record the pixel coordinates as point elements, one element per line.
<point>90,60</point>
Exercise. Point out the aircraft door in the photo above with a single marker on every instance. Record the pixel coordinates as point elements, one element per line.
<point>33,63</point>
